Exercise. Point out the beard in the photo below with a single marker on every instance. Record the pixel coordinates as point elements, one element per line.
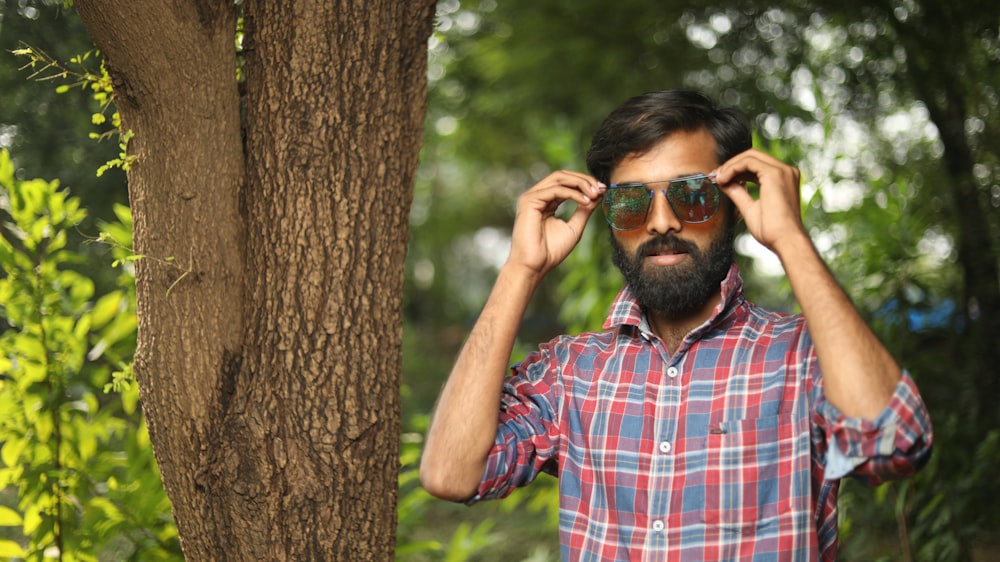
<point>679,290</point>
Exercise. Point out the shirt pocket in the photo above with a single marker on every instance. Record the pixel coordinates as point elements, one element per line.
<point>751,471</point>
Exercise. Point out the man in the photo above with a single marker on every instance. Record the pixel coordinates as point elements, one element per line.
<point>695,426</point>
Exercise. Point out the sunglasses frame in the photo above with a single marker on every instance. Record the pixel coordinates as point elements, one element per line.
<point>683,179</point>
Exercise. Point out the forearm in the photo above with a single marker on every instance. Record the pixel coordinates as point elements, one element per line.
<point>859,374</point>
<point>464,423</point>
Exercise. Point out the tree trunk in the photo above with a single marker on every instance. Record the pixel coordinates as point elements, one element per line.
<point>949,94</point>
<point>270,292</point>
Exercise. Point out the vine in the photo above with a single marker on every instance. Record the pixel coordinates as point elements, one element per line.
<point>79,74</point>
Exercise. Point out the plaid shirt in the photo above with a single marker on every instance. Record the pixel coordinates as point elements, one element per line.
<point>724,450</point>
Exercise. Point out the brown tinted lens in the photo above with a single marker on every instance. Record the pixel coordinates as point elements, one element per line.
<point>625,206</point>
<point>694,200</point>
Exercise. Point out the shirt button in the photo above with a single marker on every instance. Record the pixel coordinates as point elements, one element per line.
<point>665,446</point>
<point>672,372</point>
<point>658,526</point>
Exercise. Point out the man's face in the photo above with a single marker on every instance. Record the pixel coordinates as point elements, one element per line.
<point>673,267</point>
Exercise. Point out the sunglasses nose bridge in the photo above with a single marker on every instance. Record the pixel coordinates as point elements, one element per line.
<point>661,217</point>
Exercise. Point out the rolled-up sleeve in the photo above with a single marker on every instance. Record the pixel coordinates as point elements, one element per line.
<point>894,445</point>
<point>527,436</point>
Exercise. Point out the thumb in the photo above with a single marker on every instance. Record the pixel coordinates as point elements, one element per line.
<point>578,220</point>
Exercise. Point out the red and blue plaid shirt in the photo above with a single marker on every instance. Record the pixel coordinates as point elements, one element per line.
<point>724,450</point>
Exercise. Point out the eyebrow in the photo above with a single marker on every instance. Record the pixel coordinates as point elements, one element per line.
<point>660,181</point>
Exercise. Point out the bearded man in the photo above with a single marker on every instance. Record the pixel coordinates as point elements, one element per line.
<point>695,425</point>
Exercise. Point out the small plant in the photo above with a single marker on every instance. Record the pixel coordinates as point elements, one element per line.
<point>77,74</point>
<point>77,474</point>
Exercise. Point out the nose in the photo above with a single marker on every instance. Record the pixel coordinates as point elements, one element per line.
<point>661,219</point>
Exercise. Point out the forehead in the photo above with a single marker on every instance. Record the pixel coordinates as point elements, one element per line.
<point>679,154</point>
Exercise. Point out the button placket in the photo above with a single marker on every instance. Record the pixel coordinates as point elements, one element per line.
<point>668,404</point>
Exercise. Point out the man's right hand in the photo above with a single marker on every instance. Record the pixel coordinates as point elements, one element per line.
<point>464,423</point>
<point>541,240</point>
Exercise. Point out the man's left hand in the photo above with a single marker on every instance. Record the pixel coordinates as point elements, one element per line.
<point>775,216</point>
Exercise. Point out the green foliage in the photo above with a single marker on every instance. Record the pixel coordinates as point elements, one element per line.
<point>77,463</point>
<point>885,108</point>
<point>466,540</point>
<point>849,91</point>
<point>124,159</point>
<point>432,530</point>
<point>591,281</point>
<point>43,128</point>
<point>77,74</point>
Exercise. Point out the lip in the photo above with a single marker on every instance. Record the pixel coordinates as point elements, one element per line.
<point>665,255</point>
<point>666,251</point>
<point>666,259</point>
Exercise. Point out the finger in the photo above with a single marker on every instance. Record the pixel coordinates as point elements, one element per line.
<point>578,220</point>
<point>579,176</point>
<point>586,184</point>
<point>739,195</point>
<point>549,197</point>
<point>751,165</point>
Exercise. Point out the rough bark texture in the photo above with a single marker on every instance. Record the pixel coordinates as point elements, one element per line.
<point>270,301</point>
<point>173,71</point>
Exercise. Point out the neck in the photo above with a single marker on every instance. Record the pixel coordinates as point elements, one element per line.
<point>673,328</point>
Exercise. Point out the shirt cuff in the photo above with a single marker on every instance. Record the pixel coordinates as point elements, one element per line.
<point>838,464</point>
<point>900,435</point>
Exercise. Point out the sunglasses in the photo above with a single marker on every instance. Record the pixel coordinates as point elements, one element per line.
<point>694,199</point>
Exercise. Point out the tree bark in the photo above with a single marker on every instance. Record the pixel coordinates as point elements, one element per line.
<point>173,71</point>
<point>270,294</point>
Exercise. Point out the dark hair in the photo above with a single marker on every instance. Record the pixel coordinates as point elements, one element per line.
<point>643,121</point>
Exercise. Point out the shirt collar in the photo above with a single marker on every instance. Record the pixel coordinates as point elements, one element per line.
<point>626,310</point>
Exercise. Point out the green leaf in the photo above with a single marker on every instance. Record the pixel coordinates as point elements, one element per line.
<point>130,398</point>
<point>82,327</point>
<point>10,550</point>
<point>32,519</point>
<point>31,373</point>
<point>10,453</point>
<point>6,170</point>
<point>9,517</point>
<point>87,444</point>
<point>416,547</point>
<point>44,428</point>
<point>124,214</point>
<point>106,308</point>
<point>29,347</point>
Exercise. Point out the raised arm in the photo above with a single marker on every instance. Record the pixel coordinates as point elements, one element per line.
<point>464,423</point>
<point>859,374</point>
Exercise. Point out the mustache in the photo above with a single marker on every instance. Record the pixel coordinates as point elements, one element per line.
<point>668,242</point>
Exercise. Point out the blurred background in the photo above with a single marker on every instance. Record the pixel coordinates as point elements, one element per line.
<point>888,108</point>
